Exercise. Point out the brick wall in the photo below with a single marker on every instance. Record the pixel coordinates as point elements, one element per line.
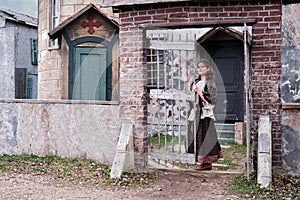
<point>266,57</point>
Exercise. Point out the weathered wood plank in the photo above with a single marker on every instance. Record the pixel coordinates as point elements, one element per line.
<point>169,122</point>
<point>172,95</point>
<point>173,45</point>
<point>124,158</point>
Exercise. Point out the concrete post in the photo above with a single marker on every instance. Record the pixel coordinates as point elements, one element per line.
<point>264,166</point>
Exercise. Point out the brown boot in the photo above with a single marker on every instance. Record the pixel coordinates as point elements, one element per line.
<point>204,166</point>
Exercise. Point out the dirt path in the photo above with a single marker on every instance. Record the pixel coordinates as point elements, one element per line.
<point>169,185</point>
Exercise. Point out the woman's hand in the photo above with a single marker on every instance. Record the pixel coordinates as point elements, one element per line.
<point>199,92</point>
<point>185,78</point>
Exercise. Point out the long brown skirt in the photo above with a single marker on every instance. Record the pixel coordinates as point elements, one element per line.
<point>208,149</point>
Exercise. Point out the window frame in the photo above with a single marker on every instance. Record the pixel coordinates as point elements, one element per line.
<point>53,21</point>
<point>155,57</point>
<point>34,51</point>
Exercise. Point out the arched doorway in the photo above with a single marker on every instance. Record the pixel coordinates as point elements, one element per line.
<point>225,47</point>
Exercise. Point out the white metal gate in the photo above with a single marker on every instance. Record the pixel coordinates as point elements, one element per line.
<point>171,55</point>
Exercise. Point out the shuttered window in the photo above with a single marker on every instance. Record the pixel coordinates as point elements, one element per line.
<point>34,51</point>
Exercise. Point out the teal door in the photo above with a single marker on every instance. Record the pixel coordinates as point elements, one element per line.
<point>89,74</point>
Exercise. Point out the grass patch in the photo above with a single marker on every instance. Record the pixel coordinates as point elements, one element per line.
<point>164,139</point>
<point>233,155</point>
<point>282,187</point>
<point>75,170</point>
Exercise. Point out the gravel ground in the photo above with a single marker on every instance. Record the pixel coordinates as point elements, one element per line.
<point>168,185</point>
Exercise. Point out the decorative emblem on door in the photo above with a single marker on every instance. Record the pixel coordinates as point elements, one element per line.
<point>91,23</point>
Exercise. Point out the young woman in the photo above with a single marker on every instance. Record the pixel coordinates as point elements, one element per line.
<point>208,149</point>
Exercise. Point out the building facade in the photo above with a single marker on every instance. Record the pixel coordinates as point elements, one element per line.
<point>19,55</point>
<point>98,57</point>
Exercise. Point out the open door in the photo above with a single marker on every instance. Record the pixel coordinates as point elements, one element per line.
<point>225,47</point>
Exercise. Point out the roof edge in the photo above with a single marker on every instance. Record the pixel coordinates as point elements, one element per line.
<point>117,3</point>
<point>56,31</point>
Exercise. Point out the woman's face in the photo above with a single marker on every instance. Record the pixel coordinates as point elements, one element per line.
<point>202,69</point>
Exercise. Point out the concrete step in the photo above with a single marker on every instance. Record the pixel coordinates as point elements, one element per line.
<point>226,132</point>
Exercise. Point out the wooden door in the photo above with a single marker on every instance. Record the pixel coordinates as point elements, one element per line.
<point>228,57</point>
<point>90,75</point>
<point>20,83</point>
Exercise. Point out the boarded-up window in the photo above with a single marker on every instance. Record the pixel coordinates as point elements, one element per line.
<point>20,83</point>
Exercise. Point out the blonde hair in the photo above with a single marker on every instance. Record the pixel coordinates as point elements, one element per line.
<point>211,73</point>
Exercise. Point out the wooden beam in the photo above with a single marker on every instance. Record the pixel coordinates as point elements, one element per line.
<point>200,24</point>
<point>290,106</point>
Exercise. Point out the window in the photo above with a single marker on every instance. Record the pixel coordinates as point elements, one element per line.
<point>155,68</point>
<point>29,88</point>
<point>53,21</point>
<point>34,51</point>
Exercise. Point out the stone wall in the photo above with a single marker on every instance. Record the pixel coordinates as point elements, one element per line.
<point>290,88</point>
<point>265,57</point>
<point>63,128</point>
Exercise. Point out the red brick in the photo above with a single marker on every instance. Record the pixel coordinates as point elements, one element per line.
<point>203,15</point>
<point>160,17</point>
<point>142,18</point>
<point>130,19</point>
<point>252,14</point>
<point>273,7</point>
<point>179,15</point>
<point>174,10</point>
<point>160,11</point>
<point>252,8</point>
<point>262,14</point>
<point>197,9</point>
<point>233,8</point>
<point>142,13</point>
<point>271,18</point>
<point>212,9</point>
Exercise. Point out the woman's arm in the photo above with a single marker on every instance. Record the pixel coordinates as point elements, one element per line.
<point>210,92</point>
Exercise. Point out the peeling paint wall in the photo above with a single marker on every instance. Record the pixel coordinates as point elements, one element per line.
<point>290,88</point>
<point>59,128</point>
<point>291,53</point>
<point>291,142</point>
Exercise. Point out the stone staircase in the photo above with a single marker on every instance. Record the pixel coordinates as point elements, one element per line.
<point>226,132</point>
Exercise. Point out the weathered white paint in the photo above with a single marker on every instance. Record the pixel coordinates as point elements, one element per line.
<point>124,157</point>
<point>7,64</point>
<point>264,167</point>
<point>70,129</point>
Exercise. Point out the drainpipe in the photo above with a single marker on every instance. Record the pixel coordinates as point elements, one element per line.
<point>246,87</point>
